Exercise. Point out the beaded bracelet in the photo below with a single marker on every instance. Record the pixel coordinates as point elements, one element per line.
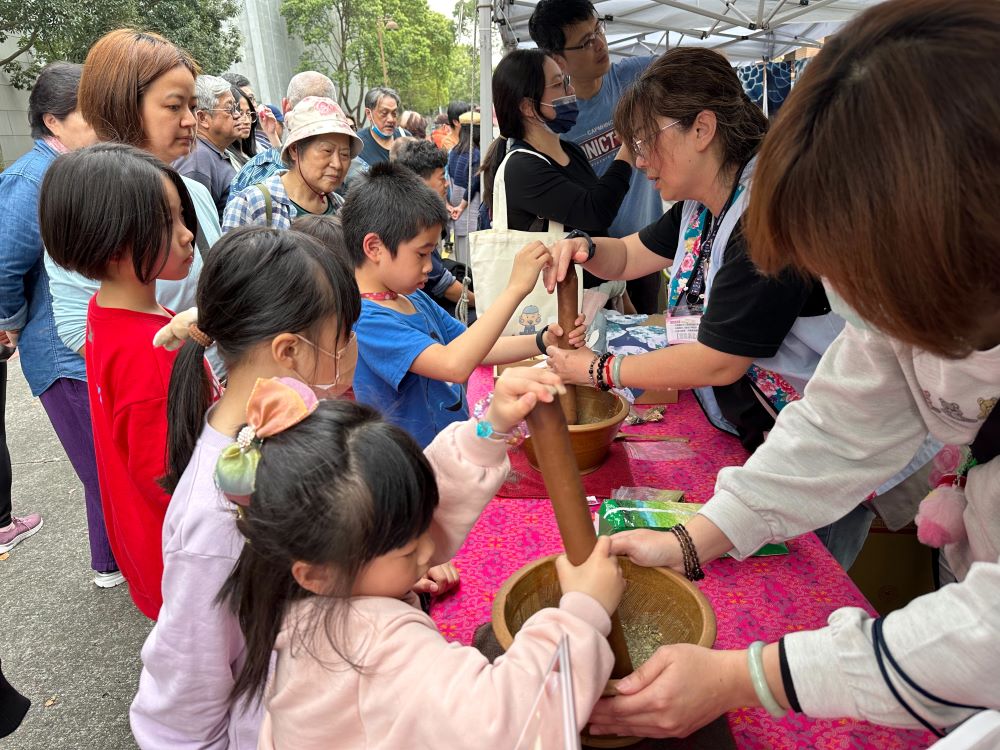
<point>485,430</point>
<point>590,370</point>
<point>692,566</point>
<point>602,382</point>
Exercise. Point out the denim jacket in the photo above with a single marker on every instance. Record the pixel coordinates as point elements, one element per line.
<point>25,300</point>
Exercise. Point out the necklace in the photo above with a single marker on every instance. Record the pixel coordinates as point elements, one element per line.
<point>380,296</point>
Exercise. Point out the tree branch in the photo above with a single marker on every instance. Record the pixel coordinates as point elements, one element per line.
<point>30,43</point>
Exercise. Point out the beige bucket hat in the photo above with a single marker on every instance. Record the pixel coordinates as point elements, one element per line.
<point>317,115</point>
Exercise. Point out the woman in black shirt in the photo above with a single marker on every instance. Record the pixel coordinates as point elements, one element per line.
<point>546,177</point>
<point>749,342</point>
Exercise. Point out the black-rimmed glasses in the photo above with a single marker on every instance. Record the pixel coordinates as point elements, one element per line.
<point>591,39</point>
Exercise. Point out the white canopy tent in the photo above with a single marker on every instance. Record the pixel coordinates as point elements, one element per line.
<point>743,30</point>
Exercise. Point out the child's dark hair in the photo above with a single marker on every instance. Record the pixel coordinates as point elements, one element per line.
<point>327,229</point>
<point>550,17</point>
<point>393,203</point>
<point>338,489</point>
<point>423,157</point>
<point>109,199</point>
<point>255,284</point>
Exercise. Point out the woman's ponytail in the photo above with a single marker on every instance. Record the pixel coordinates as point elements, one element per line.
<point>188,398</point>
<point>490,164</point>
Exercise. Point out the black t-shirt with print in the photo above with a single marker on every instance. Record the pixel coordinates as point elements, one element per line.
<point>748,314</point>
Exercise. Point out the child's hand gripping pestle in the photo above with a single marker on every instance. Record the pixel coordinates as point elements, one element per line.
<point>569,502</point>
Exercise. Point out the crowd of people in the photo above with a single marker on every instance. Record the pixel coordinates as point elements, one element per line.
<point>251,327</point>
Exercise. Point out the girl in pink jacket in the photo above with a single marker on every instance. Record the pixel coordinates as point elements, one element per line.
<point>341,515</point>
<point>275,304</point>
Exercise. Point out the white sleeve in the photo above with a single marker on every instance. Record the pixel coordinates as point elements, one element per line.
<point>856,426</point>
<point>948,642</point>
<point>71,295</point>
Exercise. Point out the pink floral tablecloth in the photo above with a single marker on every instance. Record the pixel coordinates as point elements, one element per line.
<point>761,598</point>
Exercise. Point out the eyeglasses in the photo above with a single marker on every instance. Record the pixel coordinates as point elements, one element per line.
<point>352,343</point>
<point>565,83</point>
<point>639,144</point>
<point>233,111</point>
<point>590,41</point>
<point>249,114</point>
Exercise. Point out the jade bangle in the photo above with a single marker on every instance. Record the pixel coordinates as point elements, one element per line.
<point>755,661</point>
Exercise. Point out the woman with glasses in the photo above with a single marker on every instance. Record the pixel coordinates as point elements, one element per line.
<point>746,344</point>
<point>318,149</point>
<point>546,177</point>
<point>246,147</point>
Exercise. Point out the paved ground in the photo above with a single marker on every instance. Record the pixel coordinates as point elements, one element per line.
<point>63,641</point>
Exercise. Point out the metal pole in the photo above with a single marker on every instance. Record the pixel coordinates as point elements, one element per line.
<point>381,50</point>
<point>764,103</point>
<point>485,8</point>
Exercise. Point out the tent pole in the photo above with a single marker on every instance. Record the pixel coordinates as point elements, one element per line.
<point>485,8</point>
<point>764,103</point>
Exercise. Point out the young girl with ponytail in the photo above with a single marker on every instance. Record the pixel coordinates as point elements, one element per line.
<point>193,656</point>
<point>341,515</point>
<point>243,297</point>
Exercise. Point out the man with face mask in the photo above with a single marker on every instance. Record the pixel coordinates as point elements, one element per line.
<point>382,110</point>
<point>574,36</point>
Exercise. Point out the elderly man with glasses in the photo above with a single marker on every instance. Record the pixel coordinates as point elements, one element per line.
<point>218,116</point>
<point>573,34</point>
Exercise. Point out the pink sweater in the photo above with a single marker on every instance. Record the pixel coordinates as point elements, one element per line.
<point>196,648</point>
<point>417,690</point>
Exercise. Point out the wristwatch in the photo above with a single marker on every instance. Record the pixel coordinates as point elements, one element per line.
<point>591,247</point>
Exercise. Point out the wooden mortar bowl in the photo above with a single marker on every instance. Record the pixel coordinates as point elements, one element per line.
<point>656,599</point>
<point>601,414</point>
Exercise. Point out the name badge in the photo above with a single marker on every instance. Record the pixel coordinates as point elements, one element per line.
<point>683,329</point>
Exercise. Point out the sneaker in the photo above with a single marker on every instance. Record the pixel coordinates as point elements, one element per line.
<point>21,530</point>
<point>109,580</point>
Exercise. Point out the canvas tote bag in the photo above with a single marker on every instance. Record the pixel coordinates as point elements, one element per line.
<point>492,252</point>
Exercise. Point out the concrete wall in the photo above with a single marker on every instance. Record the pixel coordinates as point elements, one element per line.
<point>269,57</point>
<point>14,131</point>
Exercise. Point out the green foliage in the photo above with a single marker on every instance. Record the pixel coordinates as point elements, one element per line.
<point>341,40</point>
<point>46,30</point>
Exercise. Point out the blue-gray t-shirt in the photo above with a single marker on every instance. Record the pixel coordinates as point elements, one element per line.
<point>594,132</point>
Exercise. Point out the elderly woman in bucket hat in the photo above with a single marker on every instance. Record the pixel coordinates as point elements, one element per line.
<point>318,148</point>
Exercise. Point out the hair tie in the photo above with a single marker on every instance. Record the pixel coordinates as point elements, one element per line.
<point>198,336</point>
<point>275,404</point>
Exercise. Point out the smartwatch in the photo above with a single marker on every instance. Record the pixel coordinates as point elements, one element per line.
<point>591,247</point>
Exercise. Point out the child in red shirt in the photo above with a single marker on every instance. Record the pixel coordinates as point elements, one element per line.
<point>117,214</point>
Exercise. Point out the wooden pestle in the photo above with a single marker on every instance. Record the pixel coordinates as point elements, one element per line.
<point>562,481</point>
<point>567,293</point>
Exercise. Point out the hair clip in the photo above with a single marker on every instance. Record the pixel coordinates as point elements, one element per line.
<point>275,404</point>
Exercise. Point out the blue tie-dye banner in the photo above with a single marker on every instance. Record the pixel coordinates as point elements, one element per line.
<point>779,82</point>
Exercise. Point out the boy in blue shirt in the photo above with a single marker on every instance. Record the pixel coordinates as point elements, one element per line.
<point>414,358</point>
<point>573,34</point>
